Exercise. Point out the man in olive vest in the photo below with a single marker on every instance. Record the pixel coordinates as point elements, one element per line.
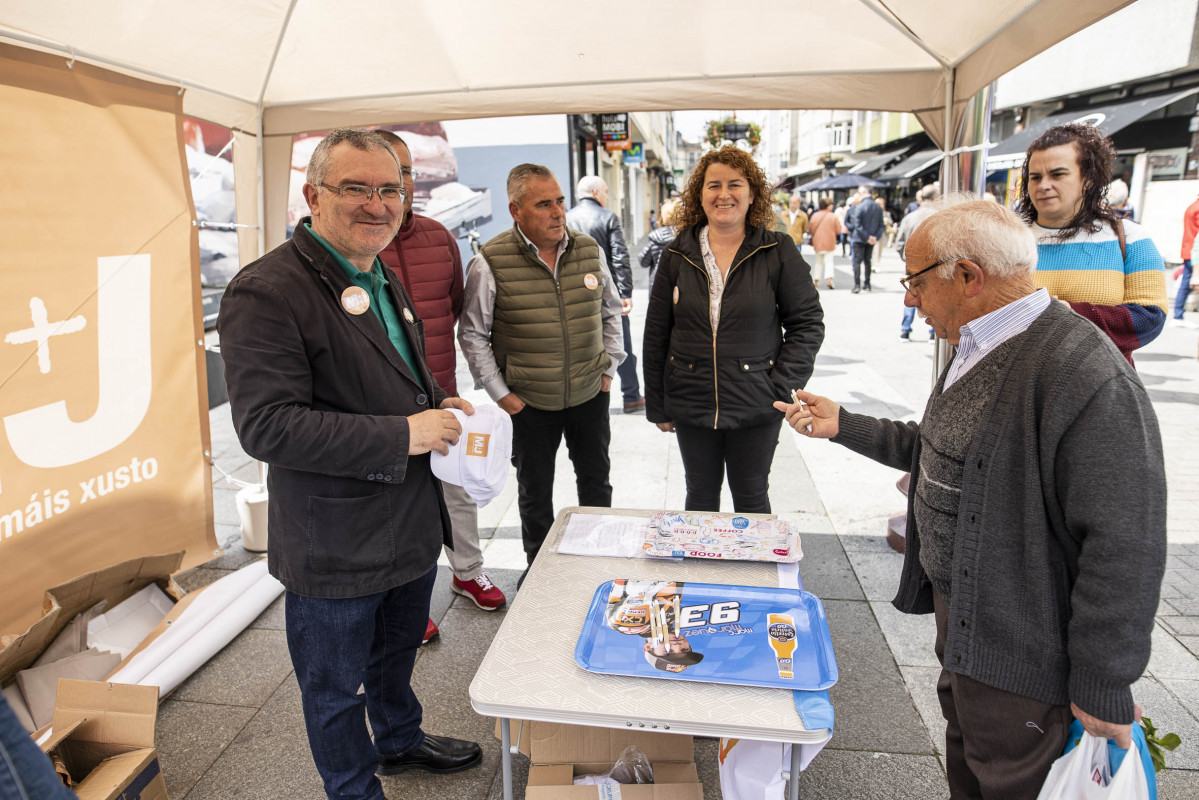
<point>540,330</point>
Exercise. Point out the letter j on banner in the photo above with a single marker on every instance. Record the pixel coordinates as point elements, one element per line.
<point>103,423</point>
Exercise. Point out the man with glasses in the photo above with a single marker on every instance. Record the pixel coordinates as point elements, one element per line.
<point>1037,520</point>
<point>328,384</point>
<point>426,259</point>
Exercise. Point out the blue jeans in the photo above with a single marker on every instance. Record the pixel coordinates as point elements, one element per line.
<point>909,316</point>
<point>337,645</point>
<point>1184,289</point>
<point>25,771</point>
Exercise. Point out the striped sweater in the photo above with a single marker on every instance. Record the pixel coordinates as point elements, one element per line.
<point>1125,299</point>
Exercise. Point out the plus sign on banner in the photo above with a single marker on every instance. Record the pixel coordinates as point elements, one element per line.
<point>103,431</point>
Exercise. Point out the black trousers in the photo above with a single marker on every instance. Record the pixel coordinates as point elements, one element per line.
<point>536,435</point>
<point>746,453</point>
<point>863,252</point>
<point>630,387</point>
<point>998,745</point>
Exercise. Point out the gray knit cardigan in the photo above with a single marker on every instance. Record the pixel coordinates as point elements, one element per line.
<point>1060,545</point>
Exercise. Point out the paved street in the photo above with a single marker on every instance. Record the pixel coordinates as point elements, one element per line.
<point>235,728</point>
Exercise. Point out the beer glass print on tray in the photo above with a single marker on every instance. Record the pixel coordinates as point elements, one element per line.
<point>710,633</point>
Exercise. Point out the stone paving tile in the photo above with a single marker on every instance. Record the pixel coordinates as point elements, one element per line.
<point>1177,784</point>
<point>922,686</point>
<point>826,570</point>
<point>874,776</point>
<point>874,711</point>
<point>191,736</point>
<point>245,673</point>
<point>878,573</point>
<point>1170,716</point>
<point>1190,643</point>
<point>1182,626</point>
<point>269,759</point>
<point>910,636</point>
<point>1168,658</point>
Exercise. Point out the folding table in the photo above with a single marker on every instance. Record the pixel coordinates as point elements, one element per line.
<point>529,672</point>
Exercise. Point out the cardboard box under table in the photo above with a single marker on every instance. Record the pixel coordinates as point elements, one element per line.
<point>529,672</point>
<point>104,737</point>
<point>559,753</point>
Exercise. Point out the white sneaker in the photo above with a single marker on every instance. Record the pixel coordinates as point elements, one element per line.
<point>1183,323</point>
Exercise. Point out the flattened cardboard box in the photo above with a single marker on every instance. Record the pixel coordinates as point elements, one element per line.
<point>104,736</point>
<point>559,752</point>
<point>61,603</point>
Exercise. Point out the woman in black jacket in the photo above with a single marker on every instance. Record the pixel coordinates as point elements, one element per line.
<point>733,324</point>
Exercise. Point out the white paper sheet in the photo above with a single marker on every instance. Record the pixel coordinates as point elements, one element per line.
<point>604,535</point>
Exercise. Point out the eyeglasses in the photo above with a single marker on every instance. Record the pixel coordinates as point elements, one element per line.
<point>409,172</point>
<point>906,281</point>
<point>361,195</point>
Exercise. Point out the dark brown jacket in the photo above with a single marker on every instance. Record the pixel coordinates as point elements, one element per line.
<point>322,396</point>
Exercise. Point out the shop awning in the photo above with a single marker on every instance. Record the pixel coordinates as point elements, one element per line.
<point>873,164</point>
<point>911,166</point>
<point>1108,119</point>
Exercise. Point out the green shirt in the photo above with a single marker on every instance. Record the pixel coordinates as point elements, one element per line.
<point>375,285</point>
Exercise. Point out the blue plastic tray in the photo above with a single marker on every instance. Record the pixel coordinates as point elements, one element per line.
<point>725,634</point>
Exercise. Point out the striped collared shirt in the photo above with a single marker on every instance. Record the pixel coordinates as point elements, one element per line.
<point>981,336</point>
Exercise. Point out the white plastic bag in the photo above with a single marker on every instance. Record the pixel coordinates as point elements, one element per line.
<point>1084,774</point>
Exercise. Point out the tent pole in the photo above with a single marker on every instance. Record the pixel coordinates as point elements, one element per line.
<point>943,351</point>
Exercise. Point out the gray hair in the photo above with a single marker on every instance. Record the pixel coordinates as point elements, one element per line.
<point>318,165</point>
<point>590,185</point>
<point>392,138</point>
<point>964,227</point>
<point>1117,193</point>
<point>930,192</point>
<point>519,178</point>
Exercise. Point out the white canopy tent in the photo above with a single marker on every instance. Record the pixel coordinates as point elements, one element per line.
<point>272,68</point>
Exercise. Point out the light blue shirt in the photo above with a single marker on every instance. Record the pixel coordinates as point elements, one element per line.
<point>981,336</point>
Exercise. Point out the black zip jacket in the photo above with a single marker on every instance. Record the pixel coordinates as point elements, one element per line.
<point>770,327</point>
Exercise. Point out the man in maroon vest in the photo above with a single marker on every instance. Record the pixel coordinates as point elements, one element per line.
<point>425,257</point>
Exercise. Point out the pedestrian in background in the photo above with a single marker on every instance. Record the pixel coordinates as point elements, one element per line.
<point>593,217</point>
<point>733,325</point>
<point>658,239</point>
<point>797,222</point>
<point>865,230</point>
<point>842,230</point>
<point>1107,269</point>
<point>825,228</point>
<point>1190,227</point>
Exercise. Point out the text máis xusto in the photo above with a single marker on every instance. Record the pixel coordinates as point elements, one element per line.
<point>49,504</point>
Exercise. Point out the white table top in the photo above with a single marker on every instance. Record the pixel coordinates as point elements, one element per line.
<point>529,671</point>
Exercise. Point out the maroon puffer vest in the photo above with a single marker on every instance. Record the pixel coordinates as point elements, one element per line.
<point>425,257</point>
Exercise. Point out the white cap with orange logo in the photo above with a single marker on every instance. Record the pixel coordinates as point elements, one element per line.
<point>479,462</point>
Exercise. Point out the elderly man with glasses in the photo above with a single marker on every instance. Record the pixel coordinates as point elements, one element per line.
<point>1037,521</point>
<point>328,384</point>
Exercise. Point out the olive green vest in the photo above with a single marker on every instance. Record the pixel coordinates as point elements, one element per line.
<point>547,335</point>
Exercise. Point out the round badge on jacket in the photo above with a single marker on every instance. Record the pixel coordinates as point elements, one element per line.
<point>590,281</point>
<point>408,316</point>
<point>355,300</point>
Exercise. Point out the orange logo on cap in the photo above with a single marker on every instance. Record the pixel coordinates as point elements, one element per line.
<point>476,444</point>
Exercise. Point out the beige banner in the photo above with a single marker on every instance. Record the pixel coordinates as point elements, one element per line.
<point>103,421</point>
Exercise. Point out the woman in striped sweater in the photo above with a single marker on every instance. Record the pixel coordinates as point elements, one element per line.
<point>1107,270</point>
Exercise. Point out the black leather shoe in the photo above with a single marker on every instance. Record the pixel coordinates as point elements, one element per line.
<point>855,290</point>
<point>438,754</point>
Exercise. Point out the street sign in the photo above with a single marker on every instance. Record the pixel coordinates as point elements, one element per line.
<point>635,154</point>
<point>614,127</point>
<point>624,145</point>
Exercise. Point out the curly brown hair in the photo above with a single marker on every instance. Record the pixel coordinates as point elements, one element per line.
<point>691,211</point>
<point>1096,154</point>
